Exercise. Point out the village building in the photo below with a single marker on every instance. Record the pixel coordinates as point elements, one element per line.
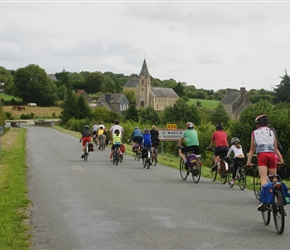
<point>113,102</point>
<point>235,102</point>
<point>146,95</point>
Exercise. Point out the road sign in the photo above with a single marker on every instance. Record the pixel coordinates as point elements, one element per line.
<point>171,126</point>
<point>170,135</point>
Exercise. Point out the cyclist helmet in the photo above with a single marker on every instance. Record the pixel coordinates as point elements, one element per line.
<point>135,128</point>
<point>262,120</point>
<point>189,125</point>
<point>86,126</point>
<point>235,140</point>
<point>146,130</point>
<point>219,126</point>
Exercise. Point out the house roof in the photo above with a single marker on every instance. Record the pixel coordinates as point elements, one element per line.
<point>52,77</point>
<point>163,92</point>
<point>114,98</point>
<point>132,83</point>
<point>231,98</point>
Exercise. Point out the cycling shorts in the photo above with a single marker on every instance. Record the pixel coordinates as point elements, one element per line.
<point>137,139</point>
<point>115,146</point>
<point>86,139</point>
<point>155,143</point>
<point>221,151</point>
<point>193,148</point>
<point>267,159</point>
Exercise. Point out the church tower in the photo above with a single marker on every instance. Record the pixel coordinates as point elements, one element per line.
<point>143,87</point>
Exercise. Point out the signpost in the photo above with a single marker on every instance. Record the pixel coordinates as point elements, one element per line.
<point>170,134</point>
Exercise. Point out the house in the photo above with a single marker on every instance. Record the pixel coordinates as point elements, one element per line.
<point>235,102</point>
<point>146,95</point>
<point>113,102</point>
<point>85,95</point>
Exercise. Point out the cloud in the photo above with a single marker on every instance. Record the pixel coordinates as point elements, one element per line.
<point>212,45</point>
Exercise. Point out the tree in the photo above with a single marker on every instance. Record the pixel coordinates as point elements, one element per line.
<point>109,85</point>
<point>33,85</point>
<point>179,89</point>
<point>94,82</point>
<point>83,109</point>
<point>69,107</point>
<point>220,116</point>
<point>181,112</point>
<point>131,95</point>
<point>282,91</point>
<point>148,115</point>
<point>131,113</point>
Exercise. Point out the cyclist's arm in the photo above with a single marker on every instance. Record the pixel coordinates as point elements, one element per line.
<point>180,141</point>
<point>281,161</point>
<point>251,151</point>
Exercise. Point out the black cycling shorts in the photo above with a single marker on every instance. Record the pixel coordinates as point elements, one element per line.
<point>221,151</point>
<point>193,148</point>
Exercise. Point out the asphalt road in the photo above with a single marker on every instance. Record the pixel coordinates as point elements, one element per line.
<point>98,205</point>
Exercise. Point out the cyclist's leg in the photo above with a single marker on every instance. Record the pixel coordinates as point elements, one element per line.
<point>112,151</point>
<point>181,153</point>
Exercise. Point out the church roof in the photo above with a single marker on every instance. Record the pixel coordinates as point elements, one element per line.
<point>163,92</point>
<point>144,70</point>
<point>131,83</point>
<point>230,98</point>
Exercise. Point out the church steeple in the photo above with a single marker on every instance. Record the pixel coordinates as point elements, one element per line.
<point>144,70</point>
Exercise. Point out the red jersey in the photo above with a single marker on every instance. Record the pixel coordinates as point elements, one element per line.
<point>220,138</point>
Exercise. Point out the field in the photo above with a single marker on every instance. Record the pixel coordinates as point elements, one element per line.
<point>40,112</point>
<point>209,104</point>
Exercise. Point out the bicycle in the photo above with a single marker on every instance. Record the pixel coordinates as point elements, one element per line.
<point>146,157</point>
<point>154,156</point>
<point>102,143</point>
<point>117,155</point>
<point>137,151</point>
<point>277,207</point>
<point>195,170</point>
<point>240,174</point>
<point>86,152</point>
<point>221,168</point>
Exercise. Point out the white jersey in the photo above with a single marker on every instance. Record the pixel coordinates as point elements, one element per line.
<point>264,139</point>
<point>237,151</point>
<point>95,127</point>
<point>116,126</point>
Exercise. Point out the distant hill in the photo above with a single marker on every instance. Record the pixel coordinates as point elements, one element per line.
<point>210,104</point>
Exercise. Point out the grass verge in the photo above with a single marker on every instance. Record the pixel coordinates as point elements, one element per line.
<point>14,203</point>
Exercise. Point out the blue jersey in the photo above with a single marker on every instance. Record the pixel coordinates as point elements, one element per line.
<point>147,139</point>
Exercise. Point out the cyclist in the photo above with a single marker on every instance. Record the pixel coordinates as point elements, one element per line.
<point>101,134</point>
<point>239,156</point>
<point>155,139</point>
<point>86,137</point>
<point>264,142</point>
<point>136,137</point>
<point>192,144</point>
<point>95,128</point>
<point>220,139</point>
<point>114,127</point>
<point>147,143</point>
<point>116,140</point>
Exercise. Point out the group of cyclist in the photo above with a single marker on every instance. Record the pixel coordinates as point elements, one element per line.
<point>148,139</point>
<point>264,143</point>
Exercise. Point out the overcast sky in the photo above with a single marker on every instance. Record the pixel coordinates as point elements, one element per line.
<point>209,44</point>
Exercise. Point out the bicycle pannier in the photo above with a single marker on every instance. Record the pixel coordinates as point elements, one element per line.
<point>191,160</point>
<point>285,194</point>
<point>122,147</point>
<point>91,147</point>
<point>144,153</point>
<point>267,193</point>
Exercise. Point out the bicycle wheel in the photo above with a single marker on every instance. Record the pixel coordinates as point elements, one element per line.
<point>257,184</point>
<point>183,172</point>
<point>266,215</point>
<point>148,163</point>
<point>196,172</point>
<point>86,152</point>
<point>230,177</point>
<point>144,162</point>
<point>154,157</point>
<point>223,174</point>
<point>213,172</point>
<point>278,211</point>
<point>242,178</point>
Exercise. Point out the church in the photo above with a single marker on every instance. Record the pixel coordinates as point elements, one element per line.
<point>146,95</point>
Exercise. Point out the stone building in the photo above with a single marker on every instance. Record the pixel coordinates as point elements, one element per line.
<point>146,95</point>
<point>235,102</point>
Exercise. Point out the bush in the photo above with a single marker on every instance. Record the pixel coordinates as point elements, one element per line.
<point>27,116</point>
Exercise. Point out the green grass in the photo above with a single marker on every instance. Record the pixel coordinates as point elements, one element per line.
<point>14,204</point>
<point>8,98</point>
<point>209,104</point>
